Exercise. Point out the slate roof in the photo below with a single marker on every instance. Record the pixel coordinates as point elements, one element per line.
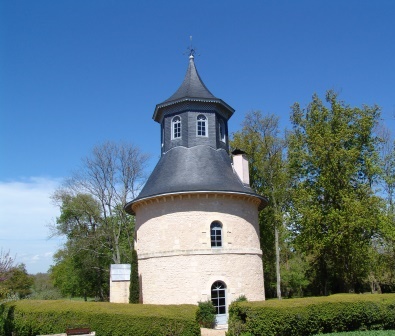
<point>192,89</point>
<point>200,168</point>
<point>196,169</point>
<point>192,86</point>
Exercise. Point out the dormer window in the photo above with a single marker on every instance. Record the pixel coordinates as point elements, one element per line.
<point>221,127</point>
<point>176,128</point>
<point>201,126</point>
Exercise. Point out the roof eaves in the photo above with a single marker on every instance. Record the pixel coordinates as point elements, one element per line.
<point>202,100</point>
<point>262,204</point>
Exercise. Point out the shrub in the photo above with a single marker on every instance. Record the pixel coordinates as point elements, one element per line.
<point>29,317</point>
<point>241,298</point>
<point>310,316</point>
<point>48,294</point>
<point>205,314</point>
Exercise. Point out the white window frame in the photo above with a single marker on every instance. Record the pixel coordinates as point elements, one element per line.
<point>176,127</point>
<point>216,235</point>
<point>201,125</point>
<point>221,130</point>
<point>218,297</point>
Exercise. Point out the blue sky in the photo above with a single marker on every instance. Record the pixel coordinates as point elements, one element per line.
<point>74,74</point>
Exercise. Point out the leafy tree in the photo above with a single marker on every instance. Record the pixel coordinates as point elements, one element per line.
<point>6,264</point>
<point>265,147</point>
<point>98,230</point>
<point>333,164</point>
<point>388,172</point>
<point>87,253</point>
<point>111,175</point>
<point>382,271</point>
<point>19,281</point>
<point>43,288</point>
<point>64,277</point>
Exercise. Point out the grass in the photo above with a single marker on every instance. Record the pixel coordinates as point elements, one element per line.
<point>364,333</point>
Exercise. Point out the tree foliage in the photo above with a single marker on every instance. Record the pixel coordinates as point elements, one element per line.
<point>333,164</point>
<point>98,230</point>
<point>6,264</point>
<point>18,281</point>
<point>260,138</point>
<point>43,288</point>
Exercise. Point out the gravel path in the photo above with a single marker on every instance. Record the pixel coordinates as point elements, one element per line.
<point>212,332</point>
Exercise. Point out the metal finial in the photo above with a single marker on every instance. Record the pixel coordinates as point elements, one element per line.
<point>191,49</point>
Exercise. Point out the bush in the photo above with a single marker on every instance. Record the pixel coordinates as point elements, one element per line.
<point>310,316</point>
<point>205,315</point>
<point>365,333</point>
<point>241,298</point>
<point>29,317</point>
<point>49,294</point>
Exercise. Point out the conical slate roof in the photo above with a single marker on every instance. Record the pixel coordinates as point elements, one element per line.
<point>192,89</point>
<point>192,86</point>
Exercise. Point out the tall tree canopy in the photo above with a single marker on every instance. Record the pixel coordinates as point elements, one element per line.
<point>98,230</point>
<point>333,164</point>
<point>260,138</point>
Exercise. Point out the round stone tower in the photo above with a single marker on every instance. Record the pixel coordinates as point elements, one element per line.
<point>197,233</point>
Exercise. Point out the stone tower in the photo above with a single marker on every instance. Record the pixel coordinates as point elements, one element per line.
<point>197,233</point>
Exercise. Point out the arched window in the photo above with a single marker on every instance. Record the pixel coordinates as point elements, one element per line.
<point>176,128</point>
<point>201,126</point>
<point>216,234</point>
<point>221,130</point>
<point>218,297</point>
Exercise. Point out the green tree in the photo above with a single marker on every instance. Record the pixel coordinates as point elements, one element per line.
<point>81,267</point>
<point>382,271</point>
<point>112,174</point>
<point>134,290</point>
<point>260,138</point>
<point>43,288</point>
<point>6,264</point>
<point>98,230</point>
<point>333,164</point>
<point>19,281</point>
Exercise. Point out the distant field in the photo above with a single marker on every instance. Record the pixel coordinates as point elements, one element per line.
<point>364,333</point>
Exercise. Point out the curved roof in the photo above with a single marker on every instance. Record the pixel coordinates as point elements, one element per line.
<point>192,89</point>
<point>192,86</point>
<point>196,169</point>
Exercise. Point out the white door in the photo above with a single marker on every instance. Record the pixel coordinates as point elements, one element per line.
<point>218,298</point>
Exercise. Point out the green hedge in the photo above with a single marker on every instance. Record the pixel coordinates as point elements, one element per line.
<point>310,316</point>
<point>29,317</point>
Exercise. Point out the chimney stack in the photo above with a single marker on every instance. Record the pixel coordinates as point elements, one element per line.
<point>240,165</point>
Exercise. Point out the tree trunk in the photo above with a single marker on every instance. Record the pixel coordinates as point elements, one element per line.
<point>277,263</point>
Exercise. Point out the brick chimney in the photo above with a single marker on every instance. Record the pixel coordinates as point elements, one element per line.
<point>240,165</point>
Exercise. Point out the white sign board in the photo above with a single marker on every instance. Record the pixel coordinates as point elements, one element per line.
<point>120,272</point>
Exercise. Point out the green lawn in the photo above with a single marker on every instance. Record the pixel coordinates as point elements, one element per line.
<point>364,333</point>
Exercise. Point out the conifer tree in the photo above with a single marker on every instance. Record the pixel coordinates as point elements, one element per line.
<point>134,290</point>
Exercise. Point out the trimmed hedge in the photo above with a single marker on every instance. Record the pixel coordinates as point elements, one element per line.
<point>310,316</point>
<point>29,317</point>
<point>364,333</point>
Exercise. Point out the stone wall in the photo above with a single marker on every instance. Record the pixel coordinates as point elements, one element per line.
<point>188,278</point>
<point>119,291</point>
<point>176,262</point>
